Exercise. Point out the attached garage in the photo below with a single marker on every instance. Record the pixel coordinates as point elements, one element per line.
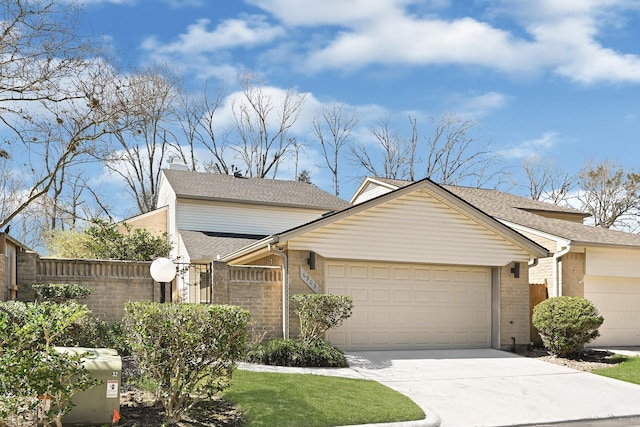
<point>425,270</point>
<point>618,301</point>
<point>412,306</point>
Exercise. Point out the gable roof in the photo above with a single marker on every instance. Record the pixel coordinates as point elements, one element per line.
<point>443,194</point>
<point>209,186</point>
<point>508,207</point>
<point>518,210</point>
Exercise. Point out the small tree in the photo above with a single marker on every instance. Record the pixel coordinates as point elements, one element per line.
<point>103,240</point>
<point>566,324</point>
<point>188,350</point>
<point>319,313</point>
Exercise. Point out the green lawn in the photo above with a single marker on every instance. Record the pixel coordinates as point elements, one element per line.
<point>291,400</point>
<point>628,370</point>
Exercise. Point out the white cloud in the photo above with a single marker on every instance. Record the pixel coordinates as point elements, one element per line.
<point>539,36</point>
<point>532,148</point>
<point>481,105</point>
<point>249,31</point>
<point>330,12</point>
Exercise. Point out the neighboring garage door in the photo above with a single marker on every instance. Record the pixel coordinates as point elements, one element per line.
<point>618,301</point>
<point>407,306</point>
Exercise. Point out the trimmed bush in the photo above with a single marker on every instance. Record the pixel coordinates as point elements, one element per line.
<point>188,351</point>
<point>566,324</point>
<point>288,352</point>
<point>60,292</point>
<point>320,312</point>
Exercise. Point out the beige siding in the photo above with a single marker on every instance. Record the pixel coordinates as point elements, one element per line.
<point>613,262</point>
<point>412,228</point>
<point>240,218</point>
<point>154,222</point>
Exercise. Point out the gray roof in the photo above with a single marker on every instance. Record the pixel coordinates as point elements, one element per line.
<point>516,209</point>
<point>205,246</point>
<point>208,186</point>
<point>513,209</point>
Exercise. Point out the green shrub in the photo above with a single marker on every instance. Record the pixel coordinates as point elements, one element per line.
<point>60,292</point>
<point>320,312</point>
<point>566,324</point>
<point>189,351</point>
<point>29,365</point>
<point>288,352</point>
<point>90,331</point>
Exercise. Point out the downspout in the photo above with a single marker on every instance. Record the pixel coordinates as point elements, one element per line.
<point>557,285</point>
<point>285,287</point>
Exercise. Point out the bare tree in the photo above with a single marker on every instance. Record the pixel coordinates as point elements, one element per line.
<point>332,127</point>
<point>141,142</point>
<point>449,155</point>
<point>547,181</point>
<point>50,94</point>
<point>392,155</point>
<point>609,193</point>
<point>261,124</point>
<point>196,116</point>
<point>453,155</point>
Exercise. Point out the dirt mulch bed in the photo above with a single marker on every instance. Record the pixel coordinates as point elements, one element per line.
<point>139,409</point>
<point>587,360</point>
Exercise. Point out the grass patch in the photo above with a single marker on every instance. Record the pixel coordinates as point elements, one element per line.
<point>627,370</point>
<point>290,400</point>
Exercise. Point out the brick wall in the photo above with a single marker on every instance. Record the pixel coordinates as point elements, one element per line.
<point>542,273</point>
<point>255,288</point>
<point>514,307</point>
<point>113,282</point>
<point>572,269</point>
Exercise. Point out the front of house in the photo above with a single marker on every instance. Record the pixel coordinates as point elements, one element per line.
<point>428,266</point>
<point>425,269</point>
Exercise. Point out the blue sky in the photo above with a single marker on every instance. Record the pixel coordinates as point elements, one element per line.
<point>557,79</point>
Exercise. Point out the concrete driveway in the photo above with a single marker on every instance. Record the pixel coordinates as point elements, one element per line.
<point>496,388</point>
<point>488,387</point>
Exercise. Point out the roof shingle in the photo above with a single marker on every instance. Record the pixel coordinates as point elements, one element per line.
<point>208,186</point>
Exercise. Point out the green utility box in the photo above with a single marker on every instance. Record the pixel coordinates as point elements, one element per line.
<point>96,406</point>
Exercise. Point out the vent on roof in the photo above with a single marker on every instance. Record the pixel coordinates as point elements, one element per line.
<point>178,166</point>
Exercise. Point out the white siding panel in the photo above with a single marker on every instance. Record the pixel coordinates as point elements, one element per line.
<point>371,191</point>
<point>618,301</point>
<point>241,218</point>
<point>406,311</point>
<point>613,262</point>
<point>413,228</point>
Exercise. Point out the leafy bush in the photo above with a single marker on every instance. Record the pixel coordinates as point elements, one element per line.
<point>90,331</point>
<point>566,324</point>
<point>60,292</point>
<point>30,365</point>
<point>287,352</point>
<point>319,312</point>
<point>104,240</point>
<point>189,351</point>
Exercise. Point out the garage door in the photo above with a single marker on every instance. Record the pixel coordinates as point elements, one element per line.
<point>618,301</point>
<point>406,306</point>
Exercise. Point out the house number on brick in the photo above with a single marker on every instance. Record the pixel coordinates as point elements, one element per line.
<point>309,281</point>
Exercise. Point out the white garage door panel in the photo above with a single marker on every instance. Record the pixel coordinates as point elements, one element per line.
<point>618,301</point>
<point>412,306</point>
